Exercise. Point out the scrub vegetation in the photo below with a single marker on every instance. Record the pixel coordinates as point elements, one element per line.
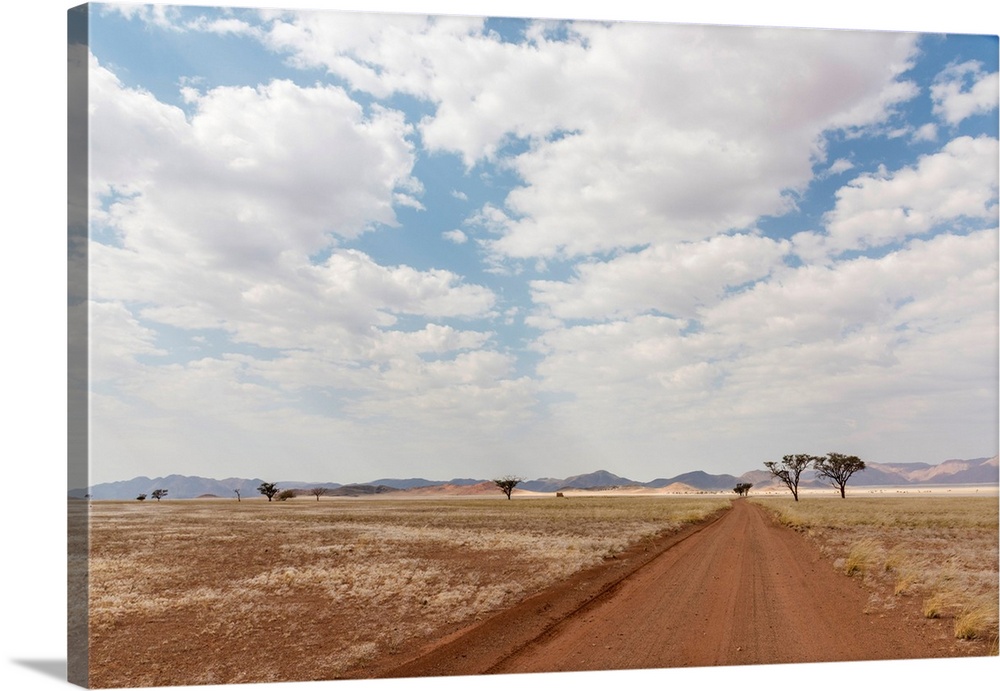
<point>304,590</point>
<point>940,551</point>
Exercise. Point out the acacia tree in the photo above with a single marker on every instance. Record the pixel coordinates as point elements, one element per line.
<point>507,483</point>
<point>790,469</point>
<point>743,488</point>
<point>268,489</point>
<point>158,494</point>
<point>318,492</point>
<point>838,469</point>
<point>141,497</point>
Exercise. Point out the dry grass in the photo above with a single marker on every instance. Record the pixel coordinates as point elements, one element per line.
<point>862,556</point>
<point>318,589</point>
<point>943,550</point>
<point>975,619</point>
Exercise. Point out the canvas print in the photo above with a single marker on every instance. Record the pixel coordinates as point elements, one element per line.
<point>408,346</point>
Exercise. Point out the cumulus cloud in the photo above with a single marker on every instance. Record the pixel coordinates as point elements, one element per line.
<point>601,172</point>
<point>926,133</point>
<point>876,209</point>
<point>120,340</point>
<point>375,55</point>
<point>161,16</point>
<point>841,165</point>
<point>679,280</point>
<point>225,26</point>
<point>651,168</point>
<point>858,292</point>
<point>265,169</point>
<point>964,90</point>
<point>218,214</point>
<point>631,304</point>
<point>221,219</point>
<point>792,351</point>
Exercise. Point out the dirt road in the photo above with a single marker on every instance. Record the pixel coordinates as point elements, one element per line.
<point>740,590</point>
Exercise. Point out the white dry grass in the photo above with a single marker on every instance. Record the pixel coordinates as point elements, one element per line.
<point>379,573</point>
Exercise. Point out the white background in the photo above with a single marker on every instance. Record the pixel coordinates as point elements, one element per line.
<point>33,256</point>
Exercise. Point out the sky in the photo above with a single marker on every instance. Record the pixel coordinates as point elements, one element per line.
<point>341,246</point>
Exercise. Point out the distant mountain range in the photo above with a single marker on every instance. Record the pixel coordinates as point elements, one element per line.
<point>951,472</point>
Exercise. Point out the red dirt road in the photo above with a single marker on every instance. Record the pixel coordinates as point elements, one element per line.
<point>740,590</point>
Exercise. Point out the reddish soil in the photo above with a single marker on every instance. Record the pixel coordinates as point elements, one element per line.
<point>738,590</point>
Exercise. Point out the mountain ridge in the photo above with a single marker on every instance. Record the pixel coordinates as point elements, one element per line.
<point>949,472</point>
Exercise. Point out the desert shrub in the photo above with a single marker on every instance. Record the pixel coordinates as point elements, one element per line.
<point>862,555</point>
<point>942,551</point>
<point>906,579</point>
<point>977,620</point>
<point>906,570</point>
<point>934,605</point>
<point>286,494</point>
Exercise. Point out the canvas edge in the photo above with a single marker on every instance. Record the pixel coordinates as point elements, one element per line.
<point>77,346</point>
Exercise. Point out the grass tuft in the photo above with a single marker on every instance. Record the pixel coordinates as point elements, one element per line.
<point>862,555</point>
<point>934,605</point>
<point>977,621</point>
<point>904,584</point>
<point>906,571</point>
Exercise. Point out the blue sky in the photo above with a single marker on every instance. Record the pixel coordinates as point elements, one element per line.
<point>332,246</point>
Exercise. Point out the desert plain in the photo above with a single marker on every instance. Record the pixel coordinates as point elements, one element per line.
<point>212,591</point>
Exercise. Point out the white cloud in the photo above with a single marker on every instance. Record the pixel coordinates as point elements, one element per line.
<point>380,54</point>
<point>266,170</point>
<point>161,16</point>
<point>803,353</point>
<point>326,306</point>
<point>825,302</point>
<point>841,165</point>
<point>926,133</point>
<point>228,220</point>
<point>456,236</point>
<point>631,162</point>
<point>678,280</point>
<point>218,213</point>
<point>958,182</point>
<point>115,340</point>
<point>964,90</point>
<point>433,338</point>
<point>649,167</point>
<point>224,26</point>
<point>666,328</point>
<point>489,218</point>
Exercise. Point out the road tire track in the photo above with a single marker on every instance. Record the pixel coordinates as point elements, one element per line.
<point>737,590</point>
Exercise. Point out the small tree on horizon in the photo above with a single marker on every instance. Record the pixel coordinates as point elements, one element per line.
<point>838,469</point>
<point>507,483</point>
<point>318,492</point>
<point>237,495</point>
<point>268,489</point>
<point>141,497</point>
<point>743,488</point>
<point>158,494</point>
<point>790,469</point>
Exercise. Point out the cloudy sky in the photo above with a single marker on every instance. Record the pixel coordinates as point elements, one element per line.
<point>339,246</point>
